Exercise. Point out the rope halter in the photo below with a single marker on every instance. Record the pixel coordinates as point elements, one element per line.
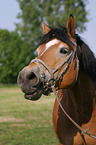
<point>52,80</point>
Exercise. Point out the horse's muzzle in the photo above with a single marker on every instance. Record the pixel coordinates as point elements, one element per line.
<point>30,83</point>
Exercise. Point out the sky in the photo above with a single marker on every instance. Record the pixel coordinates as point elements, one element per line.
<point>10,8</point>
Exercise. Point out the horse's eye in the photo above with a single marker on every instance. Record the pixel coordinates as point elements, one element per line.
<point>64,50</point>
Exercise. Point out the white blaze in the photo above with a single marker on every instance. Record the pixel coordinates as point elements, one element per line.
<point>50,43</point>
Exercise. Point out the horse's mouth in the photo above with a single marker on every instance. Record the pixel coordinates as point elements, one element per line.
<point>34,95</point>
<point>30,96</point>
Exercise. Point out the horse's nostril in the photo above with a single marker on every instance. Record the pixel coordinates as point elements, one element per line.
<point>33,78</point>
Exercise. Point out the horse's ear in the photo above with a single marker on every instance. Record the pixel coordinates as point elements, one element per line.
<point>71,26</point>
<point>46,29</point>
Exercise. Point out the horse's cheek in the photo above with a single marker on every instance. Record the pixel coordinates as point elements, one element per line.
<point>69,77</point>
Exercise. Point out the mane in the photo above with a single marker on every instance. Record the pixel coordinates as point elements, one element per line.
<point>59,33</point>
<point>87,58</point>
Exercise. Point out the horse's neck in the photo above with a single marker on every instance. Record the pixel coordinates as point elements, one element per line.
<point>81,98</point>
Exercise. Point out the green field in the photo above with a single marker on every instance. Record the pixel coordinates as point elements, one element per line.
<point>24,122</point>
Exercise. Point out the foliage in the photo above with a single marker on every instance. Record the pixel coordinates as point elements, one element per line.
<point>14,55</point>
<point>25,122</point>
<point>17,48</point>
<point>52,12</point>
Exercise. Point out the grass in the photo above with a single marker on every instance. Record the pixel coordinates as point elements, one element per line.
<point>24,122</point>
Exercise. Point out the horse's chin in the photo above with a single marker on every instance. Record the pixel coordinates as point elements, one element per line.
<point>47,92</point>
<point>33,96</point>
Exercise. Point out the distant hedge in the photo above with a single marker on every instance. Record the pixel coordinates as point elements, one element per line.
<point>15,53</point>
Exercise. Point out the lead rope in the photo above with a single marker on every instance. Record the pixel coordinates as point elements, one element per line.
<point>78,126</point>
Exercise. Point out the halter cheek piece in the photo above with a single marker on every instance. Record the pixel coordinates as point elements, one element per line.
<point>52,80</point>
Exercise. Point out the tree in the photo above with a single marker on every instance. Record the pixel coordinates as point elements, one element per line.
<point>14,55</point>
<point>52,12</point>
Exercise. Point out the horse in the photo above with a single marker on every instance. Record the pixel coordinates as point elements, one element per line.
<point>66,65</point>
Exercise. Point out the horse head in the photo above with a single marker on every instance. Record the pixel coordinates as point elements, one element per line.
<point>56,65</point>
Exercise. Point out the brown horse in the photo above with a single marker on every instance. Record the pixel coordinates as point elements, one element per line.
<point>64,63</point>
